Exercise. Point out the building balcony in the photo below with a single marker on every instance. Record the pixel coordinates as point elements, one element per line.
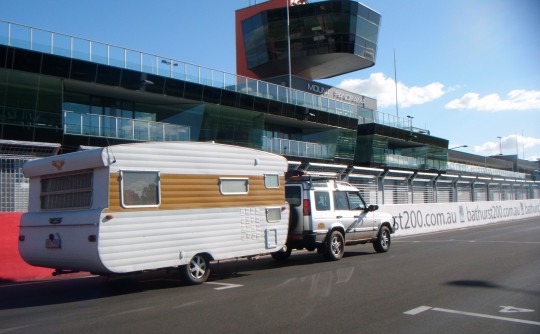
<point>294,148</point>
<point>122,128</point>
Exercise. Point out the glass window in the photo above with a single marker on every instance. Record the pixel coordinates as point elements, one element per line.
<point>271,181</point>
<point>356,201</point>
<point>322,201</point>
<point>140,188</point>
<point>233,186</point>
<point>293,195</point>
<point>72,191</point>
<point>340,200</point>
<point>273,215</point>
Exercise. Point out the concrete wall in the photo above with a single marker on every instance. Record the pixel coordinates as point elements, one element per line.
<point>426,218</point>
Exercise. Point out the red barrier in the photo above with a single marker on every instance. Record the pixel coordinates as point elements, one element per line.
<point>12,266</point>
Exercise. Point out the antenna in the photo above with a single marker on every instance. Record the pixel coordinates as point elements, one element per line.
<point>523,144</point>
<point>109,148</point>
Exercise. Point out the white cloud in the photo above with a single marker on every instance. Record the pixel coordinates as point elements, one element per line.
<point>383,89</point>
<point>511,144</point>
<point>516,100</point>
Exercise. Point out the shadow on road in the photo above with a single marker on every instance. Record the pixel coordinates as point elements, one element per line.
<point>489,285</point>
<point>74,289</point>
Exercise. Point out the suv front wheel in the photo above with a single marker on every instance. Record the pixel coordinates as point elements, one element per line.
<point>382,244</point>
<point>335,246</point>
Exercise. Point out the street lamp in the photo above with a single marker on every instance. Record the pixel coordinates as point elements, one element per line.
<point>453,148</point>
<point>410,121</point>
<point>500,145</point>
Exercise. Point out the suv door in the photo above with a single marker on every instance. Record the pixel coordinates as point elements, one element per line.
<point>344,215</point>
<point>365,225</point>
<point>350,211</point>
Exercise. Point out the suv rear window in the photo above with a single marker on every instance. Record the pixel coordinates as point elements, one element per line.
<point>293,195</point>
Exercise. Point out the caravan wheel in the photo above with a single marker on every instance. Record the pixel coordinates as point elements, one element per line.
<point>197,271</point>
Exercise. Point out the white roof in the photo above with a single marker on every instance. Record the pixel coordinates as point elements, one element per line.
<point>167,157</point>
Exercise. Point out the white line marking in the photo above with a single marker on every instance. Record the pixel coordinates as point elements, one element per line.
<point>512,309</point>
<point>11,329</point>
<point>224,285</point>
<point>185,304</point>
<point>417,310</point>
<point>487,316</point>
<point>470,314</point>
<point>142,309</point>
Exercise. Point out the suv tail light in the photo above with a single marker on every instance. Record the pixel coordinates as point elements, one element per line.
<point>307,207</point>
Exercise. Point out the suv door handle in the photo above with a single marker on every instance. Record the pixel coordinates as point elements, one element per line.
<point>339,217</point>
<point>356,216</point>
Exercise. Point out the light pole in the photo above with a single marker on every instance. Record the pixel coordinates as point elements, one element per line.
<point>410,121</point>
<point>500,145</point>
<point>453,148</point>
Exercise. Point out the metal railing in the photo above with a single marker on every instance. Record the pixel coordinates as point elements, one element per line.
<point>374,116</point>
<point>26,37</point>
<point>123,128</point>
<point>463,168</point>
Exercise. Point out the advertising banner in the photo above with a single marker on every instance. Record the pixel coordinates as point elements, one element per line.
<point>426,218</point>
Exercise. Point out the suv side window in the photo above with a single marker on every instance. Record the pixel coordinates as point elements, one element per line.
<point>322,201</point>
<point>340,200</point>
<point>356,201</point>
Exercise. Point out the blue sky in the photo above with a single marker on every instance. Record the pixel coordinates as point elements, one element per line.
<point>467,70</point>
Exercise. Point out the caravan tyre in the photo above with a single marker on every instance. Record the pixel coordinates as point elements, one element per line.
<point>282,254</point>
<point>197,271</point>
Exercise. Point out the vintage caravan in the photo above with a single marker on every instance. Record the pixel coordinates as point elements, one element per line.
<point>144,206</point>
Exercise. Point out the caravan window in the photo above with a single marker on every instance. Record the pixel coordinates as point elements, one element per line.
<point>140,189</point>
<point>271,181</point>
<point>273,215</point>
<point>233,186</point>
<point>71,191</point>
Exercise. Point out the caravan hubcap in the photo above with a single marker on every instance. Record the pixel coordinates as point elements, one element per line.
<point>197,266</point>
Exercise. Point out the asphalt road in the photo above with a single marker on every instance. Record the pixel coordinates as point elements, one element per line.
<point>479,280</point>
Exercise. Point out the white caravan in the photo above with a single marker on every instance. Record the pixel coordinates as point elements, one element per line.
<point>144,206</point>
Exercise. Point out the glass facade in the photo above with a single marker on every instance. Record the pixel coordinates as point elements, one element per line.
<point>381,151</point>
<point>37,107</point>
<point>320,28</point>
<point>27,99</point>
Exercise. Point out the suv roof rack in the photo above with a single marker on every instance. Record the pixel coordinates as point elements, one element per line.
<point>298,175</point>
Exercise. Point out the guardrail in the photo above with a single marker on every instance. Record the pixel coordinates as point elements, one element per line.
<point>123,128</point>
<point>296,148</point>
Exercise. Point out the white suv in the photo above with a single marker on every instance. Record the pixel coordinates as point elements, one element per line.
<point>327,214</point>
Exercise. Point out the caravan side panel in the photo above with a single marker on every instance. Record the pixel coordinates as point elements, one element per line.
<point>135,241</point>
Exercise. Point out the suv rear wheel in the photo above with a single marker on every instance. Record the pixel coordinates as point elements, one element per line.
<point>335,247</point>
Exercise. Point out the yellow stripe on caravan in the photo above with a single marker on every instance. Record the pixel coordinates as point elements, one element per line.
<point>201,192</point>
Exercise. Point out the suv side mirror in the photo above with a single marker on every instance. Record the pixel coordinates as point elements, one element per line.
<point>372,207</point>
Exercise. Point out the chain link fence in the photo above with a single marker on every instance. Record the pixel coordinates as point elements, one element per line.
<point>13,184</point>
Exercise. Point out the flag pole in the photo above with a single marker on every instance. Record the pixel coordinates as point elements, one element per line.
<point>395,80</point>
<point>289,45</point>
